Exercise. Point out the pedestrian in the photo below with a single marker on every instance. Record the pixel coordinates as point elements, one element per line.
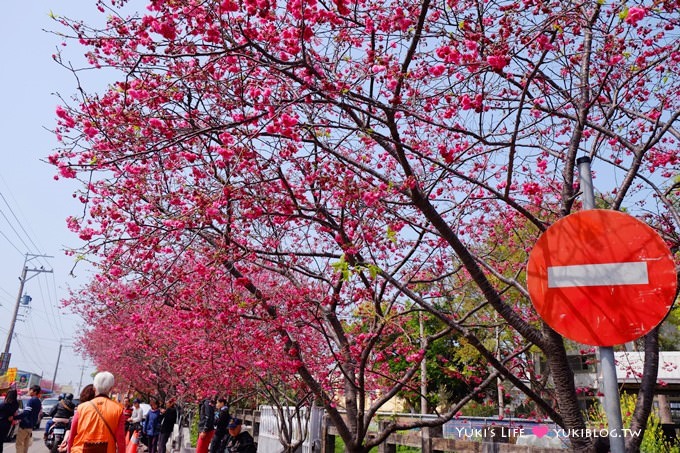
<point>239,441</point>
<point>86,394</point>
<point>168,420</point>
<point>28,419</point>
<point>206,424</point>
<point>8,409</point>
<point>98,425</point>
<point>127,413</point>
<point>136,418</point>
<point>221,433</point>
<point>152,425</point>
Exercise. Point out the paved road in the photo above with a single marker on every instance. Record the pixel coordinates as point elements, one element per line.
<point>38,445</point>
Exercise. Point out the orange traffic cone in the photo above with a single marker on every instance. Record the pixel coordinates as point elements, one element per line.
<point>134,443</point>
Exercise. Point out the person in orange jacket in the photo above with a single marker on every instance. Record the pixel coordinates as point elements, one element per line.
<point>98,425</point>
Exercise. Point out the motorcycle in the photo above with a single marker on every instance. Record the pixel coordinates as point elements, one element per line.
<point>55,436</point>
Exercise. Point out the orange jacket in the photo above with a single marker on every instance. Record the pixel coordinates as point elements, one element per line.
<point>88,426</point>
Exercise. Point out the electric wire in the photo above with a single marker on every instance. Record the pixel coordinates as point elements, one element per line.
<point>27,356</point>
<point>54,303</point>
<point>46,360</point>
<point>21,226</point>
<point>50,307</point>
<point>10,242</point>
<point>6,296</point>
<point>3,331</point>
<point>12,227</point>
<point>32,349</point>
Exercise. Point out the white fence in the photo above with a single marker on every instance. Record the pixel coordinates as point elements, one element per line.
<point>268,439</point>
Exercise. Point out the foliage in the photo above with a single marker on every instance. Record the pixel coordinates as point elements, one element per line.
<point>193,431</point>
<point>653,439</point>
<point>452,369</point>
<point>669,338</point>
<point>477,409</point>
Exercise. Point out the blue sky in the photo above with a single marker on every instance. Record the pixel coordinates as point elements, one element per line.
<point>33,206</point>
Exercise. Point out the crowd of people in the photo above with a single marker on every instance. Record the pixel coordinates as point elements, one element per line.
<point>155,428</point>
<point>219,432</point>
<point>100,424</point>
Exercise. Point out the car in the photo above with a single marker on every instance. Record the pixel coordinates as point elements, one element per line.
<point>47,405</point>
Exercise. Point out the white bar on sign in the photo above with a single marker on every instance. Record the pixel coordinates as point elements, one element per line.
<point>598,275</point>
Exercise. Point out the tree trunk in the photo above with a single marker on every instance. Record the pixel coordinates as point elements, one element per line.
<point>664,409</point>
<point>565,389</point>
<point>643,406</point>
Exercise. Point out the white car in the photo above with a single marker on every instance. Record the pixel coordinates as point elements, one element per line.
<point>47,405</point>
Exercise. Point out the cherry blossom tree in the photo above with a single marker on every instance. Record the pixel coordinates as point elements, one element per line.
<point>320,167</point>
<point>211,343</point>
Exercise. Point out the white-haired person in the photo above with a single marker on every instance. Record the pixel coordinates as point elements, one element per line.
<point>99,424</point>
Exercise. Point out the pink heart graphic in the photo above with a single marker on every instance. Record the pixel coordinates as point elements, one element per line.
<point>540,430</point>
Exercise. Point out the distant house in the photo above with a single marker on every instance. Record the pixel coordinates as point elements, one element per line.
<point>629,365</point>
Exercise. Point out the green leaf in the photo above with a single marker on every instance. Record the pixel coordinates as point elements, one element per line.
<point>391,235</point>
<point>342,267</point>
<point>373,270</point>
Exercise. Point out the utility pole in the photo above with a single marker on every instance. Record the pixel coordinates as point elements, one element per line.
<point>56,367</point>
<point>4,361</point>
<point>80,383</point>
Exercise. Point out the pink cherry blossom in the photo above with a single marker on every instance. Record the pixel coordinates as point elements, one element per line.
<point>635,15</point>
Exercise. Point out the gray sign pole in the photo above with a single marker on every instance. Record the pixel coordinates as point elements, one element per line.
<point>610,386</point>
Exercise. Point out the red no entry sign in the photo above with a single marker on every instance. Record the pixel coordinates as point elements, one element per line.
<point>601,277</point>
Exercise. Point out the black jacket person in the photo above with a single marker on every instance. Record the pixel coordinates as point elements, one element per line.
<point>223,417</point>
<point>239,441</point>
<point>206,425</point>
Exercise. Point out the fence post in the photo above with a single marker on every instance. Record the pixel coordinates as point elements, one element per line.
<point>385,447</point>
<point>257,415</point>
<point>427,433</point>
<point>327,439</point>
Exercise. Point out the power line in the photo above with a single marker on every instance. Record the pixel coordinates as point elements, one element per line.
<point>54,301</point>
<point>54,315</point>
<point>11,243</point>
<point>49,339</point>
<point>7,296</point>
<point>28,357</point>
<point>28,236</point>
<point>13,229</point>
<point>45,307</point>
<point>8,191</point>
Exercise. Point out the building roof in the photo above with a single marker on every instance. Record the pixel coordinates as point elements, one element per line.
<point>629,367</point>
